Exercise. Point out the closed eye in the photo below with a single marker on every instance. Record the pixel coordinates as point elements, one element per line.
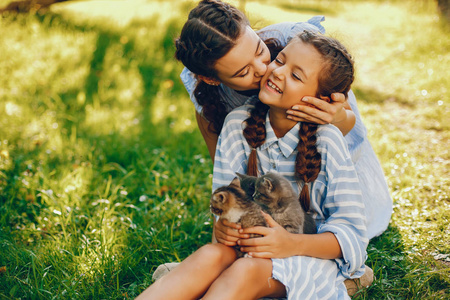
<point>296,77</point>
<point>243,75</point>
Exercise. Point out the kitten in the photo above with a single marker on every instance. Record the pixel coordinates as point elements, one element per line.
<point>233,204</point>
<point>275,195</point>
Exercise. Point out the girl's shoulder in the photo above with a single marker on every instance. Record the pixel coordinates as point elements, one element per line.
<point>329,137</point>
<point>329,130</point>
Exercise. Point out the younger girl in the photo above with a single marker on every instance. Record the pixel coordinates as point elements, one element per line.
<point>225,62</point>
<point>257,138</point>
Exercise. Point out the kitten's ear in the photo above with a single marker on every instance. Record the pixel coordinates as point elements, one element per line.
<point>236,182</point>
<point>242,176</point>
<point>268,183</point>
<point>220,197</point>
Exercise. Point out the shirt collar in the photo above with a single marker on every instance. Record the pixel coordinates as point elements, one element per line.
<point>288,143</point>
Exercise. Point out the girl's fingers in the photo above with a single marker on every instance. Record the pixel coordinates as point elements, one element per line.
<point>256,230</point>
<point>270,221</point>
<point>230,224</point>
<point>318,106</point>
<point>338,97</point>
<point>310,114</point>
<point>226,243</point>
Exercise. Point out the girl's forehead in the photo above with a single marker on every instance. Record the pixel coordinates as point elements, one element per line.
<point>301,53</point>
<point>241,54</point>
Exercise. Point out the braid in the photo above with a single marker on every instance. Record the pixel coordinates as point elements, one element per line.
<point>308,160</point>
<point>336,76</point>
<point>255,134</point>
<point>210,32</point>
<point>213,108</point>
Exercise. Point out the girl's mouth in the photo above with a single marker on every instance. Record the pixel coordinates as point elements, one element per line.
<point>273,86</point>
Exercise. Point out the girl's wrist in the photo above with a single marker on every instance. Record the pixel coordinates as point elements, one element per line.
<point>299,244</point>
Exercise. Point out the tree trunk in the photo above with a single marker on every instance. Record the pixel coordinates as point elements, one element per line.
<point>444,8</point>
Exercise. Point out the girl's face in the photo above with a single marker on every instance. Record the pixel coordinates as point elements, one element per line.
<point>245,64</point>
<point>291,76</point>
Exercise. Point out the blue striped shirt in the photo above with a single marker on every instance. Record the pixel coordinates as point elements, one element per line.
<point>336,199</point>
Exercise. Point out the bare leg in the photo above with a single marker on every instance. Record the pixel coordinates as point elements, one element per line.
<point>193,276</point>
<point>246,278</point>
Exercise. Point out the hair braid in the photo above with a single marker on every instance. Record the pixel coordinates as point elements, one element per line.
<point>337,75</point>
<point>307,161</point>
<point>255,134</point>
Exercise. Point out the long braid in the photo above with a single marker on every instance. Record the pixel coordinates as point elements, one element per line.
<point>255,134</point>
<point>336,76</point>
<point>307,161</point>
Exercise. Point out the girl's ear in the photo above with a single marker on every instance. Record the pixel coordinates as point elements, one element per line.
<point>209,80</point>
<point>326,98</point>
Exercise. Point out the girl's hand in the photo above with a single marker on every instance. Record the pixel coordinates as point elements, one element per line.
<point>319,111</point>
<point>276,242</point>
<point>227,233</point>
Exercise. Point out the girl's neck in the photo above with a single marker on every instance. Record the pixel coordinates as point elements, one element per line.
<point>280,124</point>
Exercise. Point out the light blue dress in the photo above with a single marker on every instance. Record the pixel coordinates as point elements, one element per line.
<point>375,191</point>
<point>336,202</point>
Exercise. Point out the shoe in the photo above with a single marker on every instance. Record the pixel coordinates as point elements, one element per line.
<point>354,285</point>
<point>163,269</point>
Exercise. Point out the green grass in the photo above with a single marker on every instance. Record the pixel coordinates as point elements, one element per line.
<point>104,175</point>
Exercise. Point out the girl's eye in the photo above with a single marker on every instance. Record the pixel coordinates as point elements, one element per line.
<point>296,77</point>
<point>278,61</point>
<point>244,74</point>
<point>261,52</point>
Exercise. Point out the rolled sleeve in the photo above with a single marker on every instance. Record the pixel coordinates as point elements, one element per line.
<point>344,211</point>
<point>346,220</point>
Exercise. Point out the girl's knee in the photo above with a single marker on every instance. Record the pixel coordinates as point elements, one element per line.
<point>217,254</point>
<point>250,267</point>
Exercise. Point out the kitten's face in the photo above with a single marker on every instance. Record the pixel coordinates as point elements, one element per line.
<point>263,192</point>
<point>222,200</point>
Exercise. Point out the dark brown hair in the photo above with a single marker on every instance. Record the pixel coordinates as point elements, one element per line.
<point>210,32</point>
<point>336,76</point>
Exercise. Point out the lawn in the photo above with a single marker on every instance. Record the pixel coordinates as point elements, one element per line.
<point>104,174</point>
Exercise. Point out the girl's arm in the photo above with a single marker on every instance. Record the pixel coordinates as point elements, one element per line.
<point>337,112</point>
<point>279,243</point>
<point>209,136</point>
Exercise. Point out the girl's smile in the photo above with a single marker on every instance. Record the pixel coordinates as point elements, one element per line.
<point>291,76</point>
<point>273,86</point>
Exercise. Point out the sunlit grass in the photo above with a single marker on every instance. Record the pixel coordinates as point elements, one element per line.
<point>103,174</point>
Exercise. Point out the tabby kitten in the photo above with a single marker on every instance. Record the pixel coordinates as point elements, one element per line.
<point>233,204</point>
<point>274,193</point>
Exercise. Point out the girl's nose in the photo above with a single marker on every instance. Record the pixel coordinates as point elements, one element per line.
<point>278,73</point>
<point>260,68</point>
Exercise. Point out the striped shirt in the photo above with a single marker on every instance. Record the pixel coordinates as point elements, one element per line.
<point>336,199</point>
<point>375,191</point>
